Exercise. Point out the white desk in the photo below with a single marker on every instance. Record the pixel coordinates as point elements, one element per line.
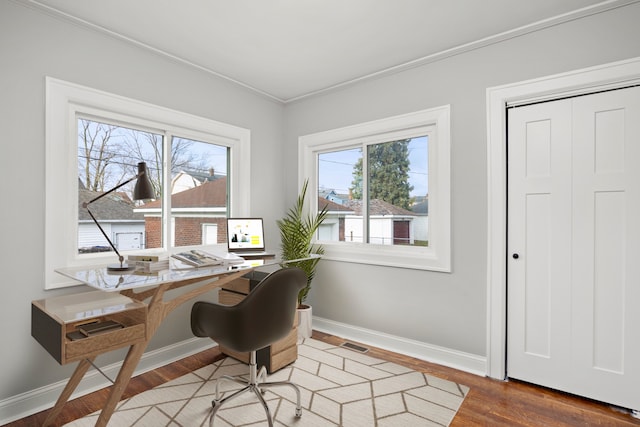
<point>141,320</point>
<point>116,281</point>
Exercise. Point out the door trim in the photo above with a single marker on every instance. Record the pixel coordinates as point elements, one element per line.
<point>602,77</point>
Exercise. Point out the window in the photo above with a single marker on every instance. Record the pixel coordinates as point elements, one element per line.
<point>386,187</point>
<point>108,155</point>
<point>382,197</point>
<point>94,141</point>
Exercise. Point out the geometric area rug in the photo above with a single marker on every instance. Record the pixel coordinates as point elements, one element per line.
<point>338,386</point>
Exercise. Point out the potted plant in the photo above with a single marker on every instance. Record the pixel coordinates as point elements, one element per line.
<point>297,230</point>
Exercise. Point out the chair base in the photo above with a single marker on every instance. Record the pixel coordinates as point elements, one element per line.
<point>256,384</point>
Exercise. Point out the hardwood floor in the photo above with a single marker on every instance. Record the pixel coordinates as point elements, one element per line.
<point>489,403</point>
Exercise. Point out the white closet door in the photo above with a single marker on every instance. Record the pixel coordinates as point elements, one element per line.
<point>574,222</point>
<point>539,218</point>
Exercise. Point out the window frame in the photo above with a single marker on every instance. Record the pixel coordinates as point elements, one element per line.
<point>64,103</point>
<point>434,122</point>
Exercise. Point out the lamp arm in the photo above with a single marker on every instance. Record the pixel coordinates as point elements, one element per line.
<point>120,257</point>
<point>113,189</point>
<point>86,206</point>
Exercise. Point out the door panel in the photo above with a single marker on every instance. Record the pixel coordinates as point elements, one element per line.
<point>537,310</point>
<point>574,220</point>
<point>539,213</point>
<point>606,198</point>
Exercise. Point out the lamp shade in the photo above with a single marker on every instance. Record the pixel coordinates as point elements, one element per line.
<point>143,189</point>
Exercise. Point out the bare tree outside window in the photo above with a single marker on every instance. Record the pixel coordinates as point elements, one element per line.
<point>108,155</point>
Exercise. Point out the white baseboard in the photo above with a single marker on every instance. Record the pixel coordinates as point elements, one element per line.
<point>37,400</point>
<point>467,362</point>
<point>42,398</point>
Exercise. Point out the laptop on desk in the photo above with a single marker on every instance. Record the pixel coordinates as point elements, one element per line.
<point>245,237</point>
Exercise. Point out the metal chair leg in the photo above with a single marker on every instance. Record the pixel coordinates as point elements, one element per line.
<point>228,378</point>
<point>290,384</point>
<point>256,384</point>
<point>217,403</point>
<point>258,393</point>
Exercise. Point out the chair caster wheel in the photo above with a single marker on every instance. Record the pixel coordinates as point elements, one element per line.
<point>298,413</point>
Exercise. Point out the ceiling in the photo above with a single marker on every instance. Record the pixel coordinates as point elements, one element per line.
<point>291,49</point>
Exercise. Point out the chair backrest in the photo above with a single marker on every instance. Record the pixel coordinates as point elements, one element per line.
<point>261,318</point>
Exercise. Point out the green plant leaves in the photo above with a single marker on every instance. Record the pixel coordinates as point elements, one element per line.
<point>297,230</point>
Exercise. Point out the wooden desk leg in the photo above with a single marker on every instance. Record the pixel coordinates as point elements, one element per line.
<point>73,382</point>
<point>122,380</point>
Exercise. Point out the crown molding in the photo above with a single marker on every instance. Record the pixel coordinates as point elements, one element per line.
<point>438,56</point>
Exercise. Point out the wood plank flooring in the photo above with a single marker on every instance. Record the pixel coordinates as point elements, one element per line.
<point>489,403</point>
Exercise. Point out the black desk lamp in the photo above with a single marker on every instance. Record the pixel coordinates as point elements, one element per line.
<point>142,191</point>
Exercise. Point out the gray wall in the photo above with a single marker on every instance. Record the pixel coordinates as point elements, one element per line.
<point>446,310</point>
<point>441,309</point>
<point>34,45</point>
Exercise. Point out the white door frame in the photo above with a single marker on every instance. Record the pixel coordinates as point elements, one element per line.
<point>602,77</point>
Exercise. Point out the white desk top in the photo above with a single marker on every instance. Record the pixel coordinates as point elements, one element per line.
<point>115,281</point>
<point>87,305</point>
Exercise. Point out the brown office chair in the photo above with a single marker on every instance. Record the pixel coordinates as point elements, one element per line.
<point>261,318</point>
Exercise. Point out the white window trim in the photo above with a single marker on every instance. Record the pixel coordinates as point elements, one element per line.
<point>435,121</point>
<point>64,101</point>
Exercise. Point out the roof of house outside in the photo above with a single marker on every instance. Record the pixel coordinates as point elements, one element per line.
<point>202,176</point>
<point>332,206</point>
<point>193,179</point>
<point>421,208</point>
<point>115,206</point>
<point>379,207</point>
<point>208,194</point>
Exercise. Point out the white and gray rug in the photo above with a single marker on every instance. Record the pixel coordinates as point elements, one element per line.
<point>339,387</point>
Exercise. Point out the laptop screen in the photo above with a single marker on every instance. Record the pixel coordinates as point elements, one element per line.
<point>245,234</point>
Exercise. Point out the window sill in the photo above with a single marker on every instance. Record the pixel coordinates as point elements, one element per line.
<point>408,257</point>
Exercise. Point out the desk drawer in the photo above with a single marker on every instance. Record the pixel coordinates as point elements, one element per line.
<point>53,333</point>
<point>94,345</point>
